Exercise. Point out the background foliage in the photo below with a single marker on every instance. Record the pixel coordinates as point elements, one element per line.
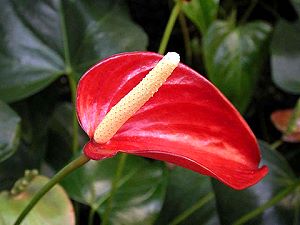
<point>249,49</point>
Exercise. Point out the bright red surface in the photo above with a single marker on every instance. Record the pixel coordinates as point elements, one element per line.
<point>188,122</point>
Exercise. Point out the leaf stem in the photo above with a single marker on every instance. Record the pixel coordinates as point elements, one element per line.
<point>185,214</point>
<point>114,188</point>
<point>91,216</point>
<point>72,84</point>
<point>249,11</point>
<point>292,125</point>
<point>70,75</point>
<point>165,39</point>
<point>186,38</point>
<point>64,32</point>
<point>277,198</point>
<point>270,9</point>
<point>73,165</point>
<point>276,144</point>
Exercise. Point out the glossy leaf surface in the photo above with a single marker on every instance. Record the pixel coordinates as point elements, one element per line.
<point>232,205</point>
<point>59,149</point>
<point>41,40</point>
<point>187,122</point>
<point>201,12</point>
<point>54,208</point>
<point>285,51</point>
<point>140,192</point>
<point>33,139</point>
<point>234,56</point>
<point>186,189</point>
<point>9,131</point>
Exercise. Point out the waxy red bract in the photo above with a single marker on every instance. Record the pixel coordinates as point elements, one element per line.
<point>188,122</point>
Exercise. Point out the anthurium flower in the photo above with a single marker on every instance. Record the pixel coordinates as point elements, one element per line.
<point>187,122</point>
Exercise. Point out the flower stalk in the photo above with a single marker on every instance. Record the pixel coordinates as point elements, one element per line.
<point>171,22</point>
<point>73,165</point>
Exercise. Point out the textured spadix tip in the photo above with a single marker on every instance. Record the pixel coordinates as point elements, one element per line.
<point>172,57</point>
<point>136,98</point>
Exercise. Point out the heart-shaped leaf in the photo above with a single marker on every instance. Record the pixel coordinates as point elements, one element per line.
<point>285,50</point>
<point>54,208</point>
<point>189,199</point>
<point>234,56</point>
<point>41,40</point>
<point>139,195</point>
<point>234,205</point>
<point>201,12</point>
<point>9,131</point>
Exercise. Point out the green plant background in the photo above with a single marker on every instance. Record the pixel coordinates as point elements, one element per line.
<point>249,49</point>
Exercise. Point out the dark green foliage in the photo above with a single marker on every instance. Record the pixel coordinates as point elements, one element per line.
<point>47,45</point>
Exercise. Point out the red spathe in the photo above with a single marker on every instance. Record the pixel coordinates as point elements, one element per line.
<point>188,122</point>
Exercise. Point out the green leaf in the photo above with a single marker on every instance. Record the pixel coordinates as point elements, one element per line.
<point>285,52</point>
<point>42,40</point>
<point>234,56</point>
<point>186,191</point>
<point>140,192</point>
<point>54,208</point>
<point>201,12</point>
<point>233,205</point>
<point>9,131</point>
<point>33,141</point>
<point>59,150</point>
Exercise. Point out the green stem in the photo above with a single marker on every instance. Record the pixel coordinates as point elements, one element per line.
<point>169,27</point>
<point>270,9</point>
<point>91,216</point>
<point>114,187</point>
<point>249,11</point>
<point>81,160</point>
<point>70,75</point>
<point>276,144</point>
<point>185,214</point>
<point>72,84</point>
<point>64,36</point>
<point>186,38</point>
<point>292,125</point>
<point>277,198</point>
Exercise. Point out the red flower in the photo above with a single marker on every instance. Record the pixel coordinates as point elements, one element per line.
<point>188,122</point>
